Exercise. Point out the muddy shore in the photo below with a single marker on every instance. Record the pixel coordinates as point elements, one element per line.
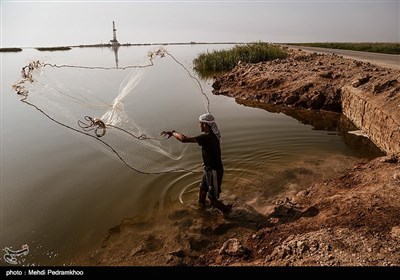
<point>349,219</point>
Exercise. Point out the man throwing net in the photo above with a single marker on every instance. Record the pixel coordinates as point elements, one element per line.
<point>209,141</point>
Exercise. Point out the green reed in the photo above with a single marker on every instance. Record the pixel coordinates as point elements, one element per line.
<point>387,48</point>
<point>224,60</point>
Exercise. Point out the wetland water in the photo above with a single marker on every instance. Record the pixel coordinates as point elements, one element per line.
<point>60,194</point>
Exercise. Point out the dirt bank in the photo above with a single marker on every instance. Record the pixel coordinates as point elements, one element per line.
<point>348,221</point>
<point>306,80</point>
<point>367,94</point>
<point>352,218</point>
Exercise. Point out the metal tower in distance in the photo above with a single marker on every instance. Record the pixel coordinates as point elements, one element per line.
<point>114,41</point>
<point>115,44</point>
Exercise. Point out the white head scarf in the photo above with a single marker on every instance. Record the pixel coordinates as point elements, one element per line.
<point>209,119</point>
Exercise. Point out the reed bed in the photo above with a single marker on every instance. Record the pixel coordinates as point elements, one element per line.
<point>225,60</point>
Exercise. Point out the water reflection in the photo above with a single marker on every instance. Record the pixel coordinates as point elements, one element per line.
<point>115,50</point>
<point>324,120</point>
<point>319,120</point>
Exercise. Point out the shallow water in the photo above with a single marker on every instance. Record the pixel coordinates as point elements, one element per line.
<point>60,194</point>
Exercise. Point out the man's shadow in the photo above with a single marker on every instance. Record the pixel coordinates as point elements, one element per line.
<point>283,213</point>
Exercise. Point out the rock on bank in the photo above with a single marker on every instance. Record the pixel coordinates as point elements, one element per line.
<point>367,94</point>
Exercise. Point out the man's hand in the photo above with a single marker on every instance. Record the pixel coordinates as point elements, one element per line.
<point>167,133</point>
<point>179,136</point>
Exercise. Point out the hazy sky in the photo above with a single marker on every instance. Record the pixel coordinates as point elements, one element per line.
<point>55,23</point>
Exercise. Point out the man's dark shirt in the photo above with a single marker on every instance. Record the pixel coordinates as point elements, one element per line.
<point>211,150</point>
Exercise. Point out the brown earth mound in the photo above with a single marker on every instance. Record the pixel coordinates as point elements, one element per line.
<point>306,80</point>
<point>349,221</point>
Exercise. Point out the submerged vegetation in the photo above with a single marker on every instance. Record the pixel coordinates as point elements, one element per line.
<point>10,49</point>
<point>225,60</point>
<point>54,49</point>
<point>387,48</point>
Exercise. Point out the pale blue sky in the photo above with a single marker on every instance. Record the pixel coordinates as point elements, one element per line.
<point>55,23</point>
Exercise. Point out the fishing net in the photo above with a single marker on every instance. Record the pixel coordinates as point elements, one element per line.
<point>122,109</point>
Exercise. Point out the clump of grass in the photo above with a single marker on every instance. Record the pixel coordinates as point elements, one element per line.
<point>54,49</point>
<point>388,48</point>
<point>225,60</point>
<point>10,49</point>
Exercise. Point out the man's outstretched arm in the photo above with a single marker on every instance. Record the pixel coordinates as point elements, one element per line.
<point>179,136</point>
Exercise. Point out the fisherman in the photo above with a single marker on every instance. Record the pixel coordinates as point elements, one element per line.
<point>211,153</point>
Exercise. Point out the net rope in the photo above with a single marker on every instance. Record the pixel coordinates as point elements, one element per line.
<point>116,130</point>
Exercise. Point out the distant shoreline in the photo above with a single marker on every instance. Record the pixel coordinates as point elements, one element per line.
<point>10,50</point>
<point>373,47</point>
<point>158,44</point>
<point>108,45</point>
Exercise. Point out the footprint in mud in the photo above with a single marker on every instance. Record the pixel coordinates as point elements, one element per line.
<point>150,244</point>
<point>178,215</point>
<point>183,218</point>
<point>197,242</point>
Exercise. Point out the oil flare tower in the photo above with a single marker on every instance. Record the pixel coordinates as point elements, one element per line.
<point>114,41</point>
